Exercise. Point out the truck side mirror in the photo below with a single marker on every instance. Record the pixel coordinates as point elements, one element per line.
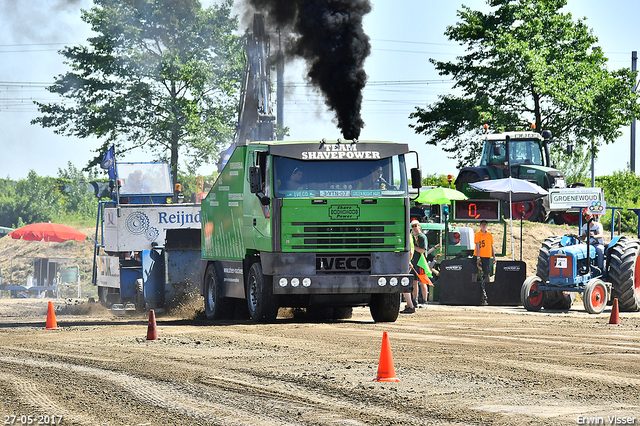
<point>546,134</point>
<point>416,177</point>
<point>255,179</point>
<point>497,152</point>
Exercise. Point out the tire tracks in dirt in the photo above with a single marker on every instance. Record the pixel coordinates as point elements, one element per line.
<point>214,399</point>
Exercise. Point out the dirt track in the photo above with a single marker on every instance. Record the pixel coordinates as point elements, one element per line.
<point>457,365</point>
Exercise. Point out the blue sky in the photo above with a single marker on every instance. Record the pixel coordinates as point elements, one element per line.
<point>404,35</point>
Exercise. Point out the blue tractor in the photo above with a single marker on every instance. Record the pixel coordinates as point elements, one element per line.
<point>567,266</point>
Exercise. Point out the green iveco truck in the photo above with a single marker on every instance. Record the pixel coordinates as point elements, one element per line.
<point>322,224</point>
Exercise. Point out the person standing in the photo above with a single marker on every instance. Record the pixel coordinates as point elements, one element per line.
<point>419,248</point>
<point>484,250</point>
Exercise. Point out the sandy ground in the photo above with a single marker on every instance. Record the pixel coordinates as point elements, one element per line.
<point>456,365</point>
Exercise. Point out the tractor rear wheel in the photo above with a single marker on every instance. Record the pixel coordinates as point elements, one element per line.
<point>566,218</point>
<point>548,244</point>
<point>595,296</point>
<point>534,211</point>
<point>531,297</point>
<point>624,271</point>
<point>466,176</point>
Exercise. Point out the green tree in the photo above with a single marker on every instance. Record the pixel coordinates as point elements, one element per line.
<point>621,189</point>
<point>78,197</point>
<point>37,199</point>
<point>576,166</point>
<point>526,62</point>
<point>8,203</point>
<point>159,74</point>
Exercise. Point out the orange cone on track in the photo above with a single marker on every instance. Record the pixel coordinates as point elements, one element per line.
<point>152,330</point>
<point>386,372</point>
<point>615,314</point>
<point>52,324</point>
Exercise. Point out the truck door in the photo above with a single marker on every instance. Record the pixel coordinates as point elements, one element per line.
<point>257,215</point>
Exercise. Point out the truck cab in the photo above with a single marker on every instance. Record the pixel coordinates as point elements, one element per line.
<point>528,158</point>
<point>308,224</point>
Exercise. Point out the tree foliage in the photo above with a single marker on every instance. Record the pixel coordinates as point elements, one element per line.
<point>69,197</point>
<point>159,74</point>
<point>576,166</point>
<point>621,189</point>
<point>526,62</point>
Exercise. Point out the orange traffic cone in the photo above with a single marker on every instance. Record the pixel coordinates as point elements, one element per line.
<point>386,372</point>
<point>152,330</point>
<point>615,315</point>
<point>51,318</point>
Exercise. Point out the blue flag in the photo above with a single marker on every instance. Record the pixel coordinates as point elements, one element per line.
<point>109,162</point>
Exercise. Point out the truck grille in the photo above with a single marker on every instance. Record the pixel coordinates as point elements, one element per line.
<point>342,235</point>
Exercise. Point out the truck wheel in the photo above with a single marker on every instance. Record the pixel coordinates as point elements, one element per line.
<point>384,307</point>
<point>139,300</point>
<point>595,296</point>
<point>531,298</point>
<point>216,307</point>
<point>624,271</point>
<point>548,244</point>
<point>560,300</point>
<point>263,305</point>
<point>102,296</point>
<point>343,312</point>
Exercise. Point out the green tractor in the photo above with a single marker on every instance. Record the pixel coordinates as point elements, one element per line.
<point>525,155</point>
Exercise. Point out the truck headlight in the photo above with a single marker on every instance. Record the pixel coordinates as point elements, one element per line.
<point>283,282</point>
<point>295,282</point>
<point>393,281</point>
<point>404,281</point>
<point>382,281</point>
<point>306,282</point>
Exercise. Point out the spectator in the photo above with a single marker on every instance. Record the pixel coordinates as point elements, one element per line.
<point>484,250</point>
<point>419,249</point>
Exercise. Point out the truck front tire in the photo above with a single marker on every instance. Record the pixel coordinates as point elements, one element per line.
<point>216,307</point>
<point>263,305</point>
<point>384,307</point>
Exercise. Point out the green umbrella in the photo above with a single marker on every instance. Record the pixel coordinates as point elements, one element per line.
<point>440,196</point>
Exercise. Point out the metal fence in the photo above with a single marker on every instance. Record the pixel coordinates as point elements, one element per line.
<point>48,277</point>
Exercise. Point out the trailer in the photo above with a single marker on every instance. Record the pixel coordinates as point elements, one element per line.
<point>147,243</point>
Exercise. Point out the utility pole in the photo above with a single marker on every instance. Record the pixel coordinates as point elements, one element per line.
<point>593,163</point>
<point>280,87</point>
<point>632,162</point>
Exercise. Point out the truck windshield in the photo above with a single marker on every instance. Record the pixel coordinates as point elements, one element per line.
<point>144,178</point>
<point>386,177</point>
<point>520,151</point>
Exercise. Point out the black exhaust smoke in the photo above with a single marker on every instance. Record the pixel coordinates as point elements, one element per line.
<point>328,34</point>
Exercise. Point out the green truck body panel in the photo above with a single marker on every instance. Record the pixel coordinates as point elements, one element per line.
<point>222,212</point>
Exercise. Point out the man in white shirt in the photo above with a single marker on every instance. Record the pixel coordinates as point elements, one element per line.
<point>596,234</point>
